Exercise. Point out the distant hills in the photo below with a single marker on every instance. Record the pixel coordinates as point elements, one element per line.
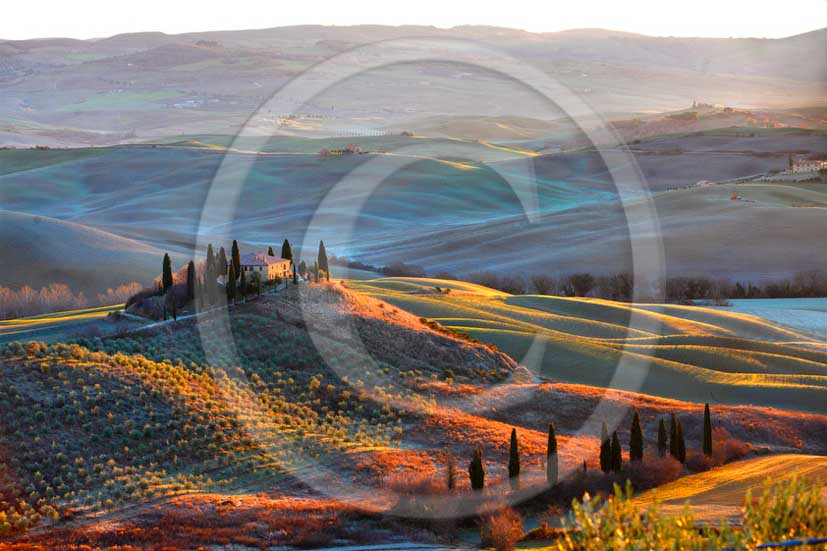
<point>149,85</point>
<point>122,207</point>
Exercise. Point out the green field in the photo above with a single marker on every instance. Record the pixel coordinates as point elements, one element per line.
<point>55,326</point>
<point>18,160</point>
<point>698,354</point>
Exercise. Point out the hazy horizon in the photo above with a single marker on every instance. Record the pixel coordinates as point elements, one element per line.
<point>705,19</point>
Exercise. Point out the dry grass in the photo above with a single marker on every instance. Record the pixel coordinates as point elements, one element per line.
<point>719,493</point>
<point>295,411</point>
<point>198,521</point>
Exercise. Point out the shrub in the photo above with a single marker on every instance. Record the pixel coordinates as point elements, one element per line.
<point>725,448</point>
<point>619,524</point>
<point>652,471</point>
<point>698,462</point>
<point>501,529</point>
<point>542,532</point>
<point>792,509</point>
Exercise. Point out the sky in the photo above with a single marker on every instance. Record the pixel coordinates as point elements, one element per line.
<point>706,18</point>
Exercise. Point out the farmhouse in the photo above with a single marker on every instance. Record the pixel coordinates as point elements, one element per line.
<point>264,266</point>
<point>808,165</point>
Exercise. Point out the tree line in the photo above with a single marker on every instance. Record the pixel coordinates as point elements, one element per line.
<point>806,284</point>
<point>618,286</point>
<point>610,454</point>
<point>57,297</point>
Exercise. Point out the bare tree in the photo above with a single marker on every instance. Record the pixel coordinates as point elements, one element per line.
<point>543,284</point>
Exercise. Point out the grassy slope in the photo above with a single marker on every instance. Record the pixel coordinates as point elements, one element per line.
<point>156,196</point>
<point>701,354</point>
<point>54,326</point>
<point>38,250</point>
<point>719,494</point>
<point>191,429</point>
<point>150,413</point>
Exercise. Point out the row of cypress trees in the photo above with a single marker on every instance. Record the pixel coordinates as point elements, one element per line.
<point>673,441</point>
<point>477,472</point>
<point>611,453</point>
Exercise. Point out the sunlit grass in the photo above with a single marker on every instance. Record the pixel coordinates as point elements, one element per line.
<point>701,352</point>
<point>70,315</point>
<point>720,492</point>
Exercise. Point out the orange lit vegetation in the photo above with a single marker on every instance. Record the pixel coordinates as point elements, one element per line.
<point>116,438</point>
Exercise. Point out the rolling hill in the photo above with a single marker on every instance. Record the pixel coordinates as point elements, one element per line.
<point>38,250</point>
<point>444,204</point>
<point>153,85</point>
<point>686,353</point>
<point>223,440</point>
<point>133,422</point>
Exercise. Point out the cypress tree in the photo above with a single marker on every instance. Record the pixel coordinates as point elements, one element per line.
<point>476,471</point>
<point>450,470</point>
<point>605,449</point>
<point>221,267</point>
<point>673,437</point>
<point>636,439</point>
<point>551,456</point>
<point>681,445</point>
<point>242,285</point>
<point>617,453</point>
<point>707,431</point>
<point>166,274</point>
<point>662,438</point>
<point>322,260</point>
<point>208,289</point>
<point>191,280</point>
<point>287,251</point>
<point>513,457</point>
<point>236,259</point>
<point>295,274</point>
<point>231,291</point>
<point>174,309</point>
<point>302,268</point>
<point>270,252</point>
<point>210,262</point>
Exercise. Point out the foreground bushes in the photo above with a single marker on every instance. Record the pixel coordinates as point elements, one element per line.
<point>792,509</point>
<point>501,529</point>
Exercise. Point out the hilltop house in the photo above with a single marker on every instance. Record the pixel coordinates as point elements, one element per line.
<point>264,266</point>
<point>808,165</point>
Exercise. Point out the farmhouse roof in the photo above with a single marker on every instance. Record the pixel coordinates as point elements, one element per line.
<point>259,259</point>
